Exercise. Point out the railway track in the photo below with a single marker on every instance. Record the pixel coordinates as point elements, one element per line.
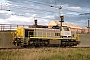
<point>38,47</point>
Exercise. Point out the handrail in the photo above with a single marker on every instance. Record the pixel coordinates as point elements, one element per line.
<point>4,27</point>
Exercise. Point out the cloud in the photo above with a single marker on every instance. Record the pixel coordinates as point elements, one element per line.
<point>74,8</point>
<point>5,4</point>
<point>19,19</point>
<point>3,21</point>
<point>5,14</point>
<point>34,15</point>
<point>7,17</point>
<point>2,1</point>
<point>23,12</point>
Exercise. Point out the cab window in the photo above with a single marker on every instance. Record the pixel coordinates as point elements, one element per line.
<point>57,34</point>
<point>55,27</point>
<point>60,28</point>
<point>66,28</point>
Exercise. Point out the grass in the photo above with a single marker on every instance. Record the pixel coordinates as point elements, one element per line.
<point>46,54</point>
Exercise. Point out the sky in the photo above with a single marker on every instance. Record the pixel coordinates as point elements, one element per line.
<point>26,11</point>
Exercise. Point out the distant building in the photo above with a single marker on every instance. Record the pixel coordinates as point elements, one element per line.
<point>73,27</point>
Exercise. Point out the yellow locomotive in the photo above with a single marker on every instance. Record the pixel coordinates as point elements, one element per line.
<point>36,36</point>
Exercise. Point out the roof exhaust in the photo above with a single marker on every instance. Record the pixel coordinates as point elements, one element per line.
<point>61,19</point>
<point>35,21</point>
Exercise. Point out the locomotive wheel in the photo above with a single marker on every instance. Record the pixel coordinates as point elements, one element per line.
<point>16,44</point>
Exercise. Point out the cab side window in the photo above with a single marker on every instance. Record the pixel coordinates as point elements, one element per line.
<point>57,34</point>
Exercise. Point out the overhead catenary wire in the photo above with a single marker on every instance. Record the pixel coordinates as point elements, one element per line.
<point>39,9</point>
<point>30,8</point>
<point>76,4</point>
<point>85,13</point>
<point>51,5</point>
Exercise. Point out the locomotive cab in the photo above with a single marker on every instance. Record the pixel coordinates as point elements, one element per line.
<point>59,36</point>
<point>65,31</point>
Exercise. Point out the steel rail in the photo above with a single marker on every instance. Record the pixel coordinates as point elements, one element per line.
<point>38,47</point>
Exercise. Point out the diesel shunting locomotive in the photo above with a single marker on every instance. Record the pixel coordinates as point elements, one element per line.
<point>37,36</point>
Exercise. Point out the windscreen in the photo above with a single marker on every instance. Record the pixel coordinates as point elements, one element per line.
<point>66,28</point>
<point>55,27</point>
